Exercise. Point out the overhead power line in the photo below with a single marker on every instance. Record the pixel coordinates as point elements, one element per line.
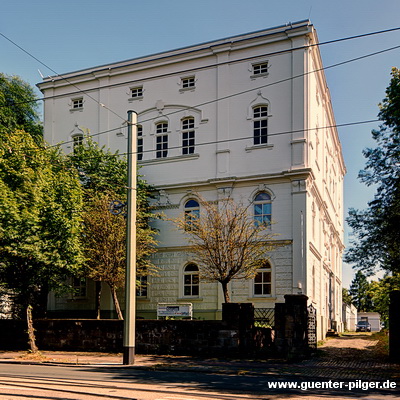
<point>176,72</point>
<point>254,89</point>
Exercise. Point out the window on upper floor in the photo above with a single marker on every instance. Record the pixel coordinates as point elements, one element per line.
<point>260,124</point>
<point>262,283</point>
<point>77,140</point>
<point>260,68</point>
<point>188,136</point>
<point>136,92</point>
<point>162,140</point>
<point>139,142</point>
<point>262,208</point>
<point>77,103</point>
<point>191,281</point>
<point>188,82</point>
<point>192,214</point>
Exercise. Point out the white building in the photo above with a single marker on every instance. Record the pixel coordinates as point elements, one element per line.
<point>248,115</point>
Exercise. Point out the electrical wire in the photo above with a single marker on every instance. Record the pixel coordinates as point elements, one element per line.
<point>176,72</point>
<point>254,89</point>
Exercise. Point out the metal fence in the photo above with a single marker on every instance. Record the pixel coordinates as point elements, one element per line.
<point>264,317</point>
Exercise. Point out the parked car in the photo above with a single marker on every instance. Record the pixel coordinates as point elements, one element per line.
<point>363,326</point>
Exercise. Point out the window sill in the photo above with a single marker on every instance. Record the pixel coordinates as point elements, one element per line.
<point>76,109</point>
<point>262,298</point>
<point>135,98</point>
<point>268,146</point>
<point>263,75</point>
<point>189,299</point>
<point>189,89</point>
<point>185,157</point>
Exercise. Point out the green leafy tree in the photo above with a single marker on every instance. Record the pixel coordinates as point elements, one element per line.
<point>376,234</point>
<point>103,175</point>
<point>360,294</point>
<point>380,294</point>
<point>18,107</point>
<point>40,220</point>
<point>346,298</point>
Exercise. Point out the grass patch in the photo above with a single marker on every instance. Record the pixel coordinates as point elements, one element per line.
<point>382,347</point>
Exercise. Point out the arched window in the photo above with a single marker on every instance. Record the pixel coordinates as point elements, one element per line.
<point>192,213</point>
<point>260,124</point>
<point>188,134</point>
<point>263,280</point>
<point>262,208</point>
<point>191,280</point>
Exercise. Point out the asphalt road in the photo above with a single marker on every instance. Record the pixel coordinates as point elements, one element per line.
<point>47,382</point>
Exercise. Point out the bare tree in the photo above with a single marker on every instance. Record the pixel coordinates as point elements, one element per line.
<point>226,241</point>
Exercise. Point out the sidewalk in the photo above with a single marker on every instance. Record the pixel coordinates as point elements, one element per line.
<point>322,367</point>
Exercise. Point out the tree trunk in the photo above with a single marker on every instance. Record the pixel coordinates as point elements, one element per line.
<point>98,299</point>
<point>225,291</point>
<point>31,330</point>
<point>116,303</point>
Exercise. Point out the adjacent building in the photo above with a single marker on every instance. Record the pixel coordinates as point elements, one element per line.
<point>248,116</point>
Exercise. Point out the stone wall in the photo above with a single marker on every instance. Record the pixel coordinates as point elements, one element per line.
<point>180,337</point>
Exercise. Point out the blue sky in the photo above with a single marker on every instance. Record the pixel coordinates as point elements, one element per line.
<point>68,36</point>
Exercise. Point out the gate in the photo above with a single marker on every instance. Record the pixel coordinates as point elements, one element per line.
<point>264,317</point>
<point>312,327</point>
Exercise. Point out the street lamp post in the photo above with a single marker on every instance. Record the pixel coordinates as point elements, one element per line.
<point>130,279</point>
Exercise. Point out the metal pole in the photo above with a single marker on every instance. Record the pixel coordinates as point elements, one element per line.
<point>130,279</point>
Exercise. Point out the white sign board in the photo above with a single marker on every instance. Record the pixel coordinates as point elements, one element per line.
<point>174,310</point>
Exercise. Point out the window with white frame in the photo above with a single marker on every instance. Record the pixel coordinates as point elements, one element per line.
<point>77,103</point>
<point>260,68</point>
<point>192,214</point>
<point>77,140</point>
<point>262,208</point>
<point>136,92</point>
<point>260,124</point>
<point>139,142</point>
<point>191,281</point>
<point>141,286</point>
<point>188,82</point>
<point>162,140</point>
<point>188,136</point>
<point>262,284</point>
<point>79,286</point>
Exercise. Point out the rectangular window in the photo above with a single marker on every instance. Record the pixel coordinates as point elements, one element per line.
<point>79,287</point>
<point>262,283</point>
<point>139,143</point>
<point>77,141</point>
<point>77,103</point>
<point>188,136</point>
<point>260,125</point>
<point>261,68</point>
<point>162,146</point>
<point>137,92</point>
<point>188,82</point>
<point>141,288</point>
<point>191,285</point>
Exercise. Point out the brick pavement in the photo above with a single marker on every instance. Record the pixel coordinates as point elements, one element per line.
<point>343,358</point>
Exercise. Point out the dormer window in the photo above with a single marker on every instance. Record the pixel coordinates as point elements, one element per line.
<point>137,92</point>
<point>77,103</point>
<point>188,82</point>
<point>260,68</point>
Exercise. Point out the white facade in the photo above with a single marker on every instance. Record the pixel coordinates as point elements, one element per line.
<point>244,115</point>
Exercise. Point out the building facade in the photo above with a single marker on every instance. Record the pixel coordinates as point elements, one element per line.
<point>249,116</point>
